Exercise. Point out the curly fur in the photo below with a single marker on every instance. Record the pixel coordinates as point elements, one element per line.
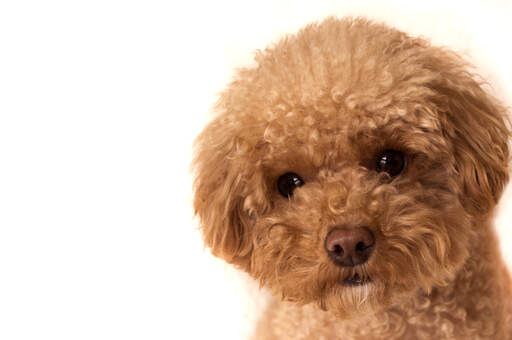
<point>324,103</point>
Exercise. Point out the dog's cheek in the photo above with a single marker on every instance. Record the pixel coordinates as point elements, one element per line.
<point>423,246</point>
<point>284,259</point>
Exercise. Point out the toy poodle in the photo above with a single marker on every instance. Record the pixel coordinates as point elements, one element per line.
<point>354,172</point>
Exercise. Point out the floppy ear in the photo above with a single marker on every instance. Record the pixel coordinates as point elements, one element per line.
<point>228,187</point>
<point>479,127</point>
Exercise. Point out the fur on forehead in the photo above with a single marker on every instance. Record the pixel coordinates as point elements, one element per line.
<point>334,81</point>
<point>339,64</point>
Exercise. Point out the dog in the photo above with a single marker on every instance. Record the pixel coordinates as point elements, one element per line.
<point>354,172</point>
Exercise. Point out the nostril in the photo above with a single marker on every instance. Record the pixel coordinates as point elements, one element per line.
<point>360,247</point>
<point>338,250</point>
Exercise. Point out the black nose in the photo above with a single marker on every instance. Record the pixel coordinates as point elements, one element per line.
<point>349,246</point>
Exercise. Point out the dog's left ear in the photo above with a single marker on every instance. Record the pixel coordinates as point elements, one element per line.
<point>480,129</point>
<point>229,191</point>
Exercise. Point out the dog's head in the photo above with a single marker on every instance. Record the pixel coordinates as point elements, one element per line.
<point>352,166</point>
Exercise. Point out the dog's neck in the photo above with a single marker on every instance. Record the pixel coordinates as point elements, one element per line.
<point>473,306</point>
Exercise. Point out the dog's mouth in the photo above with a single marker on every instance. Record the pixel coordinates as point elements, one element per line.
<point>356,280</point>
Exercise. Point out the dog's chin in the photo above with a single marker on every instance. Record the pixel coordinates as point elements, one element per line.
<point>355,296</point>
<point>358,296</point>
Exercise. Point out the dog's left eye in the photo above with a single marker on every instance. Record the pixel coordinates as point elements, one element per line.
<point>391,161</point>
<point>288,182</point>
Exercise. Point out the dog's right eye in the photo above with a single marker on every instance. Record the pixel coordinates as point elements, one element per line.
<point>287,183</point>
<point>391,161</point>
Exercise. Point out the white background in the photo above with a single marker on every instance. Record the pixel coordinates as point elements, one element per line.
<point>99,105</point>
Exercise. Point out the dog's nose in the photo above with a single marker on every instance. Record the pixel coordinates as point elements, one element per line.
<point>349,246</point>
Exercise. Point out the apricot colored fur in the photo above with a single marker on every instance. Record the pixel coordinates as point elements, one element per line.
<point>324,103</point>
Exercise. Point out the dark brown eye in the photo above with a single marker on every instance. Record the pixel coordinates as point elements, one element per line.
<point>392,162</point>
<point>287,182</point>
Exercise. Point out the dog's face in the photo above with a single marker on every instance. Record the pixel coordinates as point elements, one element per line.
<point>351,167</point>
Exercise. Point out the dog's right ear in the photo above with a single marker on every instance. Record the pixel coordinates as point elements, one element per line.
<point>480,130</point>
<point>227,190</point>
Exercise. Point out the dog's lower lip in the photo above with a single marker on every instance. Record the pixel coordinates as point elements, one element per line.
<point>356,280</point>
